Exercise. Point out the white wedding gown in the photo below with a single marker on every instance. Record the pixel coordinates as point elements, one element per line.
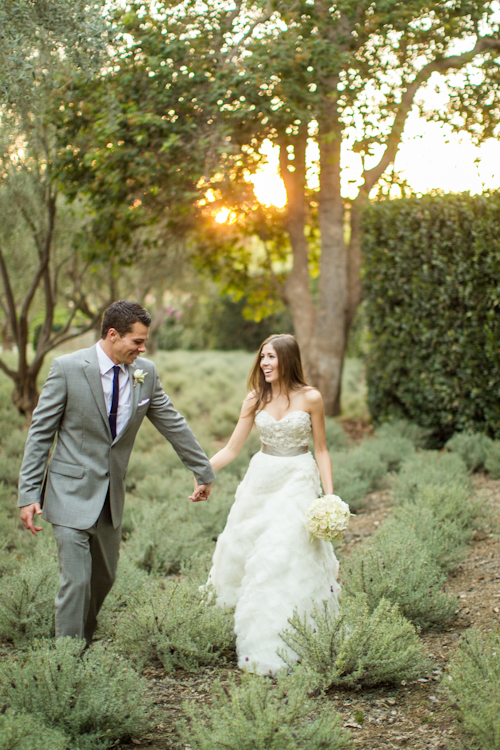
<point>265,564</point>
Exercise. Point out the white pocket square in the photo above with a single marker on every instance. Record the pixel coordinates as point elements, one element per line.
<point>143,402</point>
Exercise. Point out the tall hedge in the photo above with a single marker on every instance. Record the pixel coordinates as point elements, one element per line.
<point>432,286</point>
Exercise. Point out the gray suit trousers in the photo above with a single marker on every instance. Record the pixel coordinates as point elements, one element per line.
<point>88,560</point>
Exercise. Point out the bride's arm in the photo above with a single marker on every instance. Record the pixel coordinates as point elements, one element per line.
<point>321,454</point>
<point>239,436</point>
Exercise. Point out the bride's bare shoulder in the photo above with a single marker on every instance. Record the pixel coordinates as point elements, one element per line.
<point>311,396</point>
<point>249,405</point>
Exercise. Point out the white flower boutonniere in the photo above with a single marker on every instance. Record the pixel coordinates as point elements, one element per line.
<point>139,376</point>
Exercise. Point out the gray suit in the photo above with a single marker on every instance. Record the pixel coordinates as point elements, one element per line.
<point>85,481</point>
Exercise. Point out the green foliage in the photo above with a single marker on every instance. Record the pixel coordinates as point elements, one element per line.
<point>219,323</point>
<point>428,468</point>
<point>93,697</point>
<point>475,675</point>
<point>472,447</point>
<point>361,646</point>
<point>176,623</point>
<point>27,600</point>
<point>396,566</point>
<point>260,715</point>
<point>19,731</point>
<point>492,463</point>
<point>431,269</point>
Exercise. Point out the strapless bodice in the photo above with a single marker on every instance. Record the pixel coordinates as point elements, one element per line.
<point>291,432</point>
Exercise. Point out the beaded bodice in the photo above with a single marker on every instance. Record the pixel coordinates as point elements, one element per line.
<point>293,431</point>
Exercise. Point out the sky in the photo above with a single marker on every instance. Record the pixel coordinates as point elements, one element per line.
<point>430,157</point>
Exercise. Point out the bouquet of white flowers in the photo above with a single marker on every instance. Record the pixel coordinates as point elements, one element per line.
<point>327,517</point>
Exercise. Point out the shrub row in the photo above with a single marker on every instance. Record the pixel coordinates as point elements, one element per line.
<point>365,468</point>
<point>475,677</point>
<point>407,559</point>
<point>91,698</point>
<point>258,715</point>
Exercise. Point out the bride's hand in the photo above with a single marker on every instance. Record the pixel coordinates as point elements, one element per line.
<point>201,492</point>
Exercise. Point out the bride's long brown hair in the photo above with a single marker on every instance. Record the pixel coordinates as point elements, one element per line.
<point>290,370</point>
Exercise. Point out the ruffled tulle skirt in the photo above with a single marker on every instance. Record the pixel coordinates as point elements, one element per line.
<point>265,564</point>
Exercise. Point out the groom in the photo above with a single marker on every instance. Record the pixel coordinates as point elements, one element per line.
<point>94,401</point>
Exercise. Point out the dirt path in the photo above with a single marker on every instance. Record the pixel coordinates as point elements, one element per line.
<point>412,716</point>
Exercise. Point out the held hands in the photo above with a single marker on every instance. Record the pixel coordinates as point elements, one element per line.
<point>201,492</point>
<point>27,516</point>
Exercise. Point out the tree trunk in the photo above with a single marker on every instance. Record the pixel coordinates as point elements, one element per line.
<point>354,265</point>
<point>297,293</point>
<point>25,394</point>
<point>329,342</point>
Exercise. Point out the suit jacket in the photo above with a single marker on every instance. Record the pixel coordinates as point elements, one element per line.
<point>85,460</point>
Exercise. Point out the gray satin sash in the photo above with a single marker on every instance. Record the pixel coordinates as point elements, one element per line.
<point>283,452</point>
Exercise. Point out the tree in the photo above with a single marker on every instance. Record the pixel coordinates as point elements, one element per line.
<point>198,91</point>
<point>39,44</point>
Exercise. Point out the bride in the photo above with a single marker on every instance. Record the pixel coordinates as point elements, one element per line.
<point>265,563</point>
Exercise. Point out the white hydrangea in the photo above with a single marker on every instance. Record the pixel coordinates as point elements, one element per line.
<point>327,517</point>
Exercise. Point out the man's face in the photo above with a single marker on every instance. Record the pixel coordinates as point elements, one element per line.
<point>125,349</point>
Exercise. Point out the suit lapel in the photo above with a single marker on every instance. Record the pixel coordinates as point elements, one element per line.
<point>134,400</point>
<point>93,375</point>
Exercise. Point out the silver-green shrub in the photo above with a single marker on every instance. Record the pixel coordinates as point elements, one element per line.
<point>175,623</point>
<point>260,715</point>
<point>19,731</point>
<point>360,646</point>
<point>428,468</point>
<point>11,454</point>
<point>27,600</point>
<point>356,473</point>
<point>492,463</point>
<point>130,581</point>
<point>402,428</point>
<point>396,566</point>
<point>472,447</point>
<point>336,438</point>
<point>165,535</point>
<point>364,469</point>
<point>444,518</point>
<point>169,529</point>
<point>93,697</point>
<point>474,686</point>
<point>391,449</point>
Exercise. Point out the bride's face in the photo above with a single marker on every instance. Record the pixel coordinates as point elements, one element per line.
<point>269,363</point>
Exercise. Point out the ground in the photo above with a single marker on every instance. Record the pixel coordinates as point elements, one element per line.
<point>416,715</point>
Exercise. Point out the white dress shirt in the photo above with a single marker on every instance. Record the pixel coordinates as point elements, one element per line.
<point>125,392</point>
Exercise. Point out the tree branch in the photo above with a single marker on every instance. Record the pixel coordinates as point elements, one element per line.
<point>371,176</point>
<point>7,370</point>
<point>11,302</point>
<point>61,339</point>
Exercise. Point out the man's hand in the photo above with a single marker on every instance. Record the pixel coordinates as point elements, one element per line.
<point>27,516</point>
<point>201,492</point>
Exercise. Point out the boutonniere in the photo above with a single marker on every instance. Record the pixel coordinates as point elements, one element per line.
<point>139,376</point>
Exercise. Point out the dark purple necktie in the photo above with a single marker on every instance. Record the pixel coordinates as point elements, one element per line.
<point>114,401</point>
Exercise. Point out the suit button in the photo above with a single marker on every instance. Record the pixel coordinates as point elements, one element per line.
<point>107,473</point>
